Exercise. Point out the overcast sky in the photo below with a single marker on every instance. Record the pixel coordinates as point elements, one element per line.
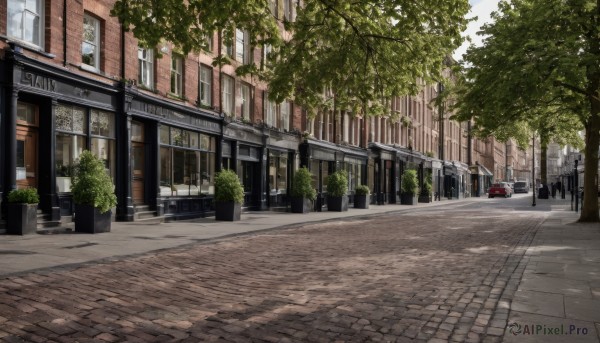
<point>482,10</point>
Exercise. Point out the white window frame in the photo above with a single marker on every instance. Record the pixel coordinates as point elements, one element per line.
<point>270,111</point>
<point>146,67</point>
<point>242,54</point>
<point>95,23</point>
<point>177,73</point>
<point>285,111</point>
<point>205,89</point>
<point>20,31</point>
<point>227,93</point>
<point>267,48</point>
<point>245,95</point>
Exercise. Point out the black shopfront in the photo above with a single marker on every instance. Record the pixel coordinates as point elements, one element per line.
<point>48,118</point>
<point>387,168</point>
<point>170,159</point>
<point>323,159</point>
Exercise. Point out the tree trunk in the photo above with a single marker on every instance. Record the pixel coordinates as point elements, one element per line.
<point>589,210</point>
<point>544,163</point>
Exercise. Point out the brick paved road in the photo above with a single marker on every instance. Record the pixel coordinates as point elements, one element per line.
<point>393,278</point>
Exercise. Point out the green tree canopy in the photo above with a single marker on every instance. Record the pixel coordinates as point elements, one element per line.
<point>359,53</point>
<point>538,70</point>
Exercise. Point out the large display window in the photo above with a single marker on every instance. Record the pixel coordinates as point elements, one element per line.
<point>187,162</point>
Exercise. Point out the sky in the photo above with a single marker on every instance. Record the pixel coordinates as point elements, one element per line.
<point>482,10</point>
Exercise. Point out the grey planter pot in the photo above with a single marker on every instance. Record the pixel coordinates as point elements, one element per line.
<point>424,198</point>
<point>88,219</point>
<point>300,205</point>
<point>228,211</point>
<point>337,204</point>
<point>362,201</point>
<point>21,219</point>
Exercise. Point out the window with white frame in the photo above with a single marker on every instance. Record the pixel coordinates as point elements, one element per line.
<point>267,49</point>
<point>90,45</point>
<point>245,98</point>
<point>177,75</point>
<point>205,85</point>
<point>273,7</point>
<point>242,54</point>
<point>285,113</point>
<point>288,10</point>
<point>226,46</point>
<point>270,111</point>
<point>146,67</point>
<point>25,21</point>
<point>227,95</point>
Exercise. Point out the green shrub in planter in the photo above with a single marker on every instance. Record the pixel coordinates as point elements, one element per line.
<point>302,192</point>
<point>93,194</point>
<point>24,196</point>
<point>361,196</point>
<point>229,196</point>
<point>21,218</point>
<point>409,187</point>
<point>337,184</point>
<point>362,190</point>
<point>337,187</point>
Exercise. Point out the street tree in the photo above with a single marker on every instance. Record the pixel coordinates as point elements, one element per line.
<point>539,70</point>
<point>331,54</point>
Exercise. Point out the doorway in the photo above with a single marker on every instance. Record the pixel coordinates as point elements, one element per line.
<point>27,145</point>
<point>138,163</point>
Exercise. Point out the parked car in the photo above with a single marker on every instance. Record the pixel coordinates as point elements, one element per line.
<point>500,189</point>
<point>521,187</point>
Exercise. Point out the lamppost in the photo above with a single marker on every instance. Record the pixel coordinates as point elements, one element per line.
<point>576,185</point>
<point>533,167</point>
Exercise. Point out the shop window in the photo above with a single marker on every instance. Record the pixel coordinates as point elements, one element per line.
<point>68,149</point>
<point>146,67</point>
<point>90,45</point>
<point>270,111</point>
<point>187,162</point>
<point>71,119</point>
<point>25,21</point>
<point>26,114</point>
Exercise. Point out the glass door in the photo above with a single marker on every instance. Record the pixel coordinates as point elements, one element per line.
<point>27,145</point>
<point>138,152</point>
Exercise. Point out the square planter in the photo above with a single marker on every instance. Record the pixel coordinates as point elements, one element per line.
<point>407,199</point>
<point>424,198</point>
<point>88,219</point>
<point>337,204</point>
<point>362,201</point>
<point>21,219</point>
<point>300,205</point>
<point>228,211</point>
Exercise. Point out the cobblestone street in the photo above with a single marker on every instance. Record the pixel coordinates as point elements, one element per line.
<point>390,278</point>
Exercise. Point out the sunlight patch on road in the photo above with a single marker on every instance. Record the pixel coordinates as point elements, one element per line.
<point>479,250</point>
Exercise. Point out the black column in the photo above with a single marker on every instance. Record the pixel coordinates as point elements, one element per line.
<point>155,148</point>
<point>52,196</point>
<point>11,144</point>
<point>125,210</point>
<point>2,142</point>
<point>263,178</point>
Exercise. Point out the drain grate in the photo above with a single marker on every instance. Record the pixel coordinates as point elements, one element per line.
<point>81,246</point>
<point>16,252</point>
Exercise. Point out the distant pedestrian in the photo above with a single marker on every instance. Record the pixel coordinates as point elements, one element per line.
<point>553,188</point>
<point>559,188</point>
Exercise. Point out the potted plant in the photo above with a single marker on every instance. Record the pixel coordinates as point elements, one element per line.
<point>410,187</point>
<point>22,211</point>
<point>302,192</point>
<point>361,197</point>
<point>93,194</point>
<point>229,196</point>
<point>337,187</point>
<point>425,195</point>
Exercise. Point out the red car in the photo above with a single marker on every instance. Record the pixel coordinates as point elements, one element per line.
<point>500,189</point>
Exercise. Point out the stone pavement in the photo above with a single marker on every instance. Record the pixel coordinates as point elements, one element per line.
<point>461,275</point>
<point>558,297</point>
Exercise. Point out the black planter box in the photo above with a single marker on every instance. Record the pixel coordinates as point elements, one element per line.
<point>362,201</point>
<point>424,198</point>
<point>300,205</point>
<point>407,199</point>
<point>21,219</point>
<point>337,204</point>
<point>88,219</point>
<point>228,211</point>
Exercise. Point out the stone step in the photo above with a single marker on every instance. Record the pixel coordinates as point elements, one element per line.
<point>143,215</point>
<point>141,208</point>
<point>151,220</point>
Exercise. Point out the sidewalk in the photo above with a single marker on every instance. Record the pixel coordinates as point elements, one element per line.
<point>27,253</point>
<point>558,295</point>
